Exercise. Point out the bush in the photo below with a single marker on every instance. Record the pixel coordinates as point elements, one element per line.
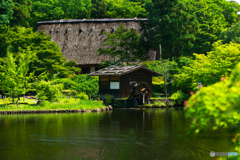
<point>86,84</point>
<point>179,97</point>
<point>82,96</point>
<point>159,103</point>
<point>47,91</point>
<point>69,92</point>
<point>108,99</point>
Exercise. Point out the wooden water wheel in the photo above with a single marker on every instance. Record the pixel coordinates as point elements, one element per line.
<point>142,91</point>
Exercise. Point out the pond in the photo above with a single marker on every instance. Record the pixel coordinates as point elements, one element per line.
<point>147,134</point>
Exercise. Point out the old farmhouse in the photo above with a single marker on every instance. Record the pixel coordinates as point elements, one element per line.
<point>117,80</point>
<point>80,39</point>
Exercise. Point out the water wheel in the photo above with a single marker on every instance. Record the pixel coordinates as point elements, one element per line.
<point>142,91</point>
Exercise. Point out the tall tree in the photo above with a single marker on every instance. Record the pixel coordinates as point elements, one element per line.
<point>171,24</point>
<point>6,11</point>
<point>123,46</point>
<point>15,75</point>
<point>232,34</point>
<point>213,17</point>
<point>47,55</point>
<point>21,12</point>
<point>118,9</point>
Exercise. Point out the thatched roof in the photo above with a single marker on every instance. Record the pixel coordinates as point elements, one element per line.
<point>121,70</point>
<point>93,20</point>
<point>79,39</point>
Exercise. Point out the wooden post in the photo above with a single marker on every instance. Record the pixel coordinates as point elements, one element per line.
<point>148,98</point>
<point>0,96</point>
<point>23,97</point>
<point>143,98</point>
<point>75,97</point>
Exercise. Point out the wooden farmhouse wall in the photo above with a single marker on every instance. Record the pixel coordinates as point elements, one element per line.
<point>104,86</point>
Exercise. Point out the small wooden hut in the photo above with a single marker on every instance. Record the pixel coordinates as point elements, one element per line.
<point>117,80</point>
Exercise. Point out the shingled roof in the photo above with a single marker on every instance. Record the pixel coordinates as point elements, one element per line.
<point>121,70</point>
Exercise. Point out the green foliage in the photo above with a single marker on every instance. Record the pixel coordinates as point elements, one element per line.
<point>47,56</point>
<point>123,46</point>
<point>54,10</point>
<point>163,67</point>
<point>159,103</point>
<point>14,77</point>
<point>21,13</point>
<point>211,23</point>
<point>209,68</point>
<point>179,97</point>
<point>171,24</point>
<point>68,92</point>
<point>118,9</point>
<point>82,96</point>
<point>216,105</point>
<point>6,11</point>
<point>68,83</point>
<point>86,84</point>
<point>231,34</point>
<point>108,99</point>
<point>47,91</point>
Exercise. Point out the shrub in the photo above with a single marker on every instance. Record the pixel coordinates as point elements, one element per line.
<point>108,99</point>
<point>47,91</point>
<point>87,84</point>
<point>82,96</point>
<point>179,97</point>
<point>159,103</point>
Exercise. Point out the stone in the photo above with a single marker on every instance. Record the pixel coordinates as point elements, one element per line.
<point>97,110</point>
<point>83,110</point>
<point>110,107</point>
<point>39,102</point>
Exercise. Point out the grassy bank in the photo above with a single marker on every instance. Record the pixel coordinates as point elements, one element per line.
<point>30,104</point>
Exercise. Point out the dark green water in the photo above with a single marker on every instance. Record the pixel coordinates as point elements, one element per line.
<point>148,134</point>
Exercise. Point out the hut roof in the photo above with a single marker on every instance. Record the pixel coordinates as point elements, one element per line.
<point>121,70</point>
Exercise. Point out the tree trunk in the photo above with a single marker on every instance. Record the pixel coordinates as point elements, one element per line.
<point>170,53</point>
<point>165,84</point>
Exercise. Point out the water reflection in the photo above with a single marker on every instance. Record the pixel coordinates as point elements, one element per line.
<point>120,134</point>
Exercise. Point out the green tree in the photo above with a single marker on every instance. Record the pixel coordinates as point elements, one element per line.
<point>118,9</point>
<point>163,67</point>
<point>208,69</point>
<point>216,106</point>
<point>47,56</point>
<point>86,84</point>
<point>6,11</point>
<point>231,34</point>
<point>171,24</point>
<point>123,46</point>
<point>15,78</point>
<point>45,10</point>
<point>21,13</point>
<point>47,91</point>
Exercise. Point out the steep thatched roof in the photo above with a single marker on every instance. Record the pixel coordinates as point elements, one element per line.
<point>80,39</point>
<point>121,70</point>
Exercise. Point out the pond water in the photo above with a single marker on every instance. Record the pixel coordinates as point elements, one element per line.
<point>148,134</point>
